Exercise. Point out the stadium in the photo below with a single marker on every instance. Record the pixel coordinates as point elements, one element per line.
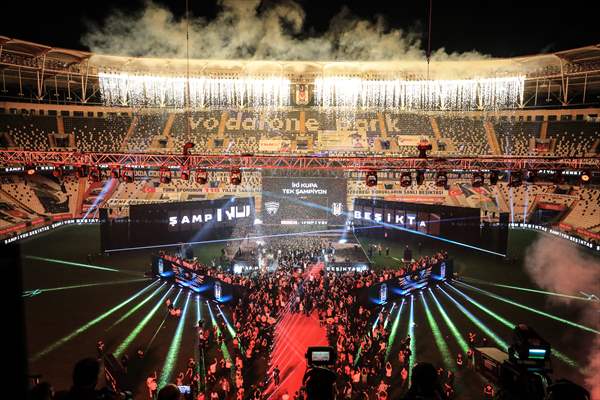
<point>281,227</point>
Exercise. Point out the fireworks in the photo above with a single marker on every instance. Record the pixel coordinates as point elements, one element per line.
<point>470,94</point>
<point>164,91</point>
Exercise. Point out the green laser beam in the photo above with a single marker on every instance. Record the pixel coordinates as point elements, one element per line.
<point>76,264</point>
<point>89,324</point>
<point>533,310</point>
<point>561,356</point>
<point>568,296</point>
<point>137,307</point>
<point>224,349</point>
<point>369,333</point>
<point>477,322</point>
<point>437,335</point>
<point>411,333</point>
<point>459,339</point>
<point>84,285</point>
<point>138,328</point>
<point>394,331</point>
<point>387,319</point>
<point>162,322</point>
<point>173,354</point>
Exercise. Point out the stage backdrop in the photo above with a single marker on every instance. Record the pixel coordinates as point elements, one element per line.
<point>170,223</point>
<point>460,224</point>
<point>304,201</point>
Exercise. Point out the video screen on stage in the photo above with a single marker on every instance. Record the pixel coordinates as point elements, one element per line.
<point>304,201</point>
<point>170,223</point>
<point>459,224</point>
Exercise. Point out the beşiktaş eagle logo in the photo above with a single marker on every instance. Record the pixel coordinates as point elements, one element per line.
<point>336,209</point>
<point>272,207</point>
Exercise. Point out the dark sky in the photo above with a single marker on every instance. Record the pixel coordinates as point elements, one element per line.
<point>499,28</point>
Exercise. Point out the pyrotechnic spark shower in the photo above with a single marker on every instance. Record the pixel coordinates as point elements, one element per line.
<point>123,89</point>
<point>468,94</point>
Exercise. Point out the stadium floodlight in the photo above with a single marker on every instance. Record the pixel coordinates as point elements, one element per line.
<point>515,179</point>
<point>201,177</point>
<point>371,178</point>
<point>477,180</point>
<point>420,177</point>
<point>530,176</point>
<point>585,177</point>
<point>441,179</point>
<point>494,178</point>
<point>235,177</point>
<point>405,179</point>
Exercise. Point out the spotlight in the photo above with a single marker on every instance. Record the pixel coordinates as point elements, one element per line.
<point>202,177</point>
<point>530,176</point>
<point>114,173</point>
<point>165,176</point>
<point>185,174</point>
<point>95,175</point>
<point>57,172</point>
<point>585,177</point>
<point>235,178</point>
<point>405,179</point>
<point>420,177</point>
<point>441,179</point>
<point>30,170</point>
<point>371,178</point>
<point>477,180</point>
<point>493,178</point>
<point>559,179</point>
<point>515,179</point>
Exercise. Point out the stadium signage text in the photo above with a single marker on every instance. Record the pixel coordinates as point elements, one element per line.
<point>409,219</point>
<point>220,215</point>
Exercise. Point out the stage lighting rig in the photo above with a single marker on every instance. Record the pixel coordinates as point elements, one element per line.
<point>371,178</point>
<point>586,177</point>
<point>477,180</point>
<point>201,177</point>
<point>114,173</point>
<point>81,171</point>
<point>494,178</point>
<point>405,179</point>
<point>57,172</point>
<point>420,177</point>
<point>95,175</point>
<point>235,177</point>
<point>165,176</point>
<point>530,176</point>
<point>515,179</point>
<point>441,179</point>
<point>185,173</point>
<point>424,146</point>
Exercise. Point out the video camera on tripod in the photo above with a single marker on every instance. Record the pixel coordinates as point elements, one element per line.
<point>319,379</point>
<point>523,372</point>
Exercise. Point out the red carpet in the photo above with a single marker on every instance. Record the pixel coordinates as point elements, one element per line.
<point>293,334</point>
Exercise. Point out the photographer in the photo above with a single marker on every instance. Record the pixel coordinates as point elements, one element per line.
<point>85,379</point>
<point>319,380</point>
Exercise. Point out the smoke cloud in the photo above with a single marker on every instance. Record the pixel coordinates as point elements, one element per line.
<point>249,29</point>
<point>555,265</point>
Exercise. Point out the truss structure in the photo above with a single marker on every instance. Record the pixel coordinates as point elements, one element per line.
<point>16,158</point>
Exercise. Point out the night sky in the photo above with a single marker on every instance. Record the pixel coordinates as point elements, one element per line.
<point>499,28</point>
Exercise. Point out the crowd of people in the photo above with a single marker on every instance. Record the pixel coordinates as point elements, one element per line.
<point>229,366</point>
